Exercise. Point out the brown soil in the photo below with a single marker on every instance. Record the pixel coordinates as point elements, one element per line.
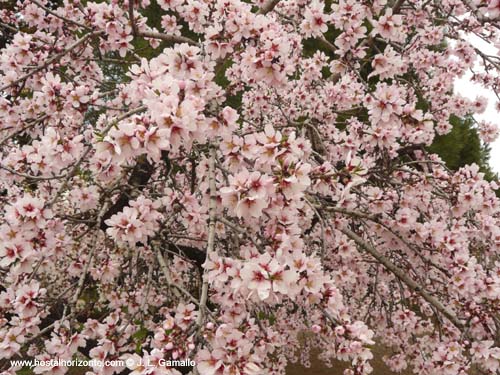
<point>319,368</point>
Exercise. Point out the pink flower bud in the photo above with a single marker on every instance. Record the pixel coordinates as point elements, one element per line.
<point>316,328</point>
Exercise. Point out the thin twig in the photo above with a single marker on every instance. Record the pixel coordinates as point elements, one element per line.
<point>322,223</point>
<point>51,60</point>
<point>93,247</point>
<point>402,275</point>
<point>59,16</point>
<point>211,232</point>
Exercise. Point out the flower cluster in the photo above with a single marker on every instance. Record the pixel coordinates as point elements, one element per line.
<point>136,222</point>
<point>247,194</point>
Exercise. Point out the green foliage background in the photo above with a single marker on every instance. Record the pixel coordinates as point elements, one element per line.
<point>463,146</point>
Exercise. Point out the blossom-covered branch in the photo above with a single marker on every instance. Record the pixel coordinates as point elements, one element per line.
<point>241,183</point>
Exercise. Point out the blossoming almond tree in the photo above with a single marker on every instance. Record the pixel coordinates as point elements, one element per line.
<point>237,182</point>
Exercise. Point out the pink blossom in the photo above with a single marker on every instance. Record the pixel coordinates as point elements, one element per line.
<point>389,26</point>
<point>488,131</point>
<point>213,181</point>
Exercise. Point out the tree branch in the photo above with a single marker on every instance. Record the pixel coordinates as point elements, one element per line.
<point>59,16</point>
<point>167,37</point>
<point>93,247</point>
<point>154,34</point>
<point>397,7</point>
<point>139,177</point>
<point>400,274</point>
<point>131,16</point>
<point>51,60</point>
<point>268,7</point>
<point>211,232</point>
